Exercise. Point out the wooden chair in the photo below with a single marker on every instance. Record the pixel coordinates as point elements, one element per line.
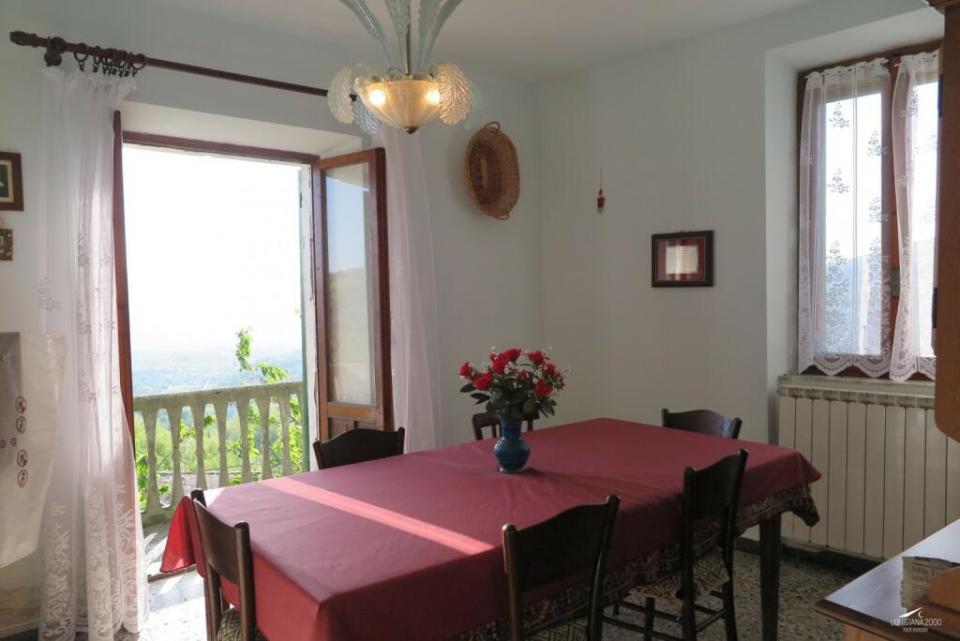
<point>357,446</point>
<point>704,422</point>
<point>571,544</point>
<point>483,421</point>
<point>711,497</point>
<point>226,555</point>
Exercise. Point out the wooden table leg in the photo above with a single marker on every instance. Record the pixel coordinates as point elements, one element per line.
<point>770,548</point>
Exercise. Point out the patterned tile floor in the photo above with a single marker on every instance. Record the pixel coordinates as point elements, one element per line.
<point>802,584</point>
<point>176,605</point>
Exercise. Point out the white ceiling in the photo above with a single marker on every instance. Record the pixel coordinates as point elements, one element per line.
<point>530,39</point>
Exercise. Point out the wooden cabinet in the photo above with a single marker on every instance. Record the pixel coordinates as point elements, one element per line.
<point>947,340</point>
<point>870,606</point>
<point>851,633</point>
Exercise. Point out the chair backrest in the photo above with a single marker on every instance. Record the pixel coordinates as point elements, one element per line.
<point>482,421</point>
<point>711,498</point>
<point>573,543</point>
<point>226,555</point>
<point>357,446</point>
<point>704,422</point>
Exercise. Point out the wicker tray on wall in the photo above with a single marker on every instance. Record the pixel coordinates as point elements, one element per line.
<point>492,171</point>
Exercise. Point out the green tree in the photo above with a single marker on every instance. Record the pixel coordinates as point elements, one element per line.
<point>268,373</point>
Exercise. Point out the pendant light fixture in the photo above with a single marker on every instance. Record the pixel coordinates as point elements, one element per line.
<point>409,93</point>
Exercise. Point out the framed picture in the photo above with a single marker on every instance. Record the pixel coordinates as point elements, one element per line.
<point>11,182</point>
<point>6,244</point>
<point>683,259</point>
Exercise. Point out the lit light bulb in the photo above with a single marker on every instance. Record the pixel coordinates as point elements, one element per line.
<point>405,103</point>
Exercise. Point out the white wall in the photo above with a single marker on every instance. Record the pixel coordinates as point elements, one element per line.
<point>684,135</point>
<point>487,270</point>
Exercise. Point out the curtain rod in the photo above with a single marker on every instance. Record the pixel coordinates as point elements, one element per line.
<point>128,62</point>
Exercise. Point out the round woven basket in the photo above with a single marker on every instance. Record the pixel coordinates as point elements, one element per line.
<point>492,171</point>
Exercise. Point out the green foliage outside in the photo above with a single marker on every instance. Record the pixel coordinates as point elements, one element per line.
<point>260,372</point>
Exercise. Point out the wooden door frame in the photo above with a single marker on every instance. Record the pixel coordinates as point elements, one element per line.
<point>119,226</point>
<point>122,284</point>
<point>381,412</point>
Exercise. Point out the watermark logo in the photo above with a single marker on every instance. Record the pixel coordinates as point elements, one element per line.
<point>914,621</point>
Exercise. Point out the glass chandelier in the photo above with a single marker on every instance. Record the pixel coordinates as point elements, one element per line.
<point>406,97</point>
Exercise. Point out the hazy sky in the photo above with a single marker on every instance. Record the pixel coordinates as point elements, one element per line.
<point>212,246</point>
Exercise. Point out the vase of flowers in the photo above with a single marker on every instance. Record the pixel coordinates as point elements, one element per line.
<point>514,385</point>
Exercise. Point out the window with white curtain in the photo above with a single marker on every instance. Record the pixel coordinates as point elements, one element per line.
<point>868,182</point>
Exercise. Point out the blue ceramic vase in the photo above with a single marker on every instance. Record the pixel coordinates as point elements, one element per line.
<point>511,450</point>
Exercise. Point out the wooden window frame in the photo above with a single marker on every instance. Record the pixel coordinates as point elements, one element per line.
<point>122,137</point>
<point>380,413</point>
<point>891,237</point>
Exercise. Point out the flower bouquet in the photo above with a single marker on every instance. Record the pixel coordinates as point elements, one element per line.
<point>514,385</point>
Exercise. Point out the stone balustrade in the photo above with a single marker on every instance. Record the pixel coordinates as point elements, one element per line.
<point>240,399</point>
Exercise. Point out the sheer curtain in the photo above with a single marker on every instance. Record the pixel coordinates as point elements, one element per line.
<point>844,317</point>
<point>915,165</point>
<point>93,573</point>
<point>413,306</point>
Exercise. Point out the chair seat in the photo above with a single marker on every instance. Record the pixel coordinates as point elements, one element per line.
<point>709,573</point>
<point>230,627</point>
<point>575,630</point>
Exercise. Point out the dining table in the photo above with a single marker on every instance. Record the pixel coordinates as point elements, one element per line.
<point>410,547</point>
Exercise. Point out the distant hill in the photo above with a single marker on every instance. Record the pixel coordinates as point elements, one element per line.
<point>168,372</point>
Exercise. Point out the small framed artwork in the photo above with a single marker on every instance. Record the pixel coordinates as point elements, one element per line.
<point>684,259</point>
<point>11,182</point>
<point>6,244</point>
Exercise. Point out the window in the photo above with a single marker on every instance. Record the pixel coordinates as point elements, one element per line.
<point>353,296</point>
<point>868,179</point>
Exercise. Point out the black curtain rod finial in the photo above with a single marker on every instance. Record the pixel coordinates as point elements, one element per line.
<point>54,54</point>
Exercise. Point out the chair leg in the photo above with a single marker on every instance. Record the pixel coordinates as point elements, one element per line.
<point>688,621</point>
<point>729,612</point>
<point>648,616</point>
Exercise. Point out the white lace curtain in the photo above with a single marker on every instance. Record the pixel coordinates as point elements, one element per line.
<point>94,578</point>
<point>413,306</point>
<point>858,137</point>
<point>915,142</point>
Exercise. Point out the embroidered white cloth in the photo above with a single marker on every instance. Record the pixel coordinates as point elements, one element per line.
<point>915,161</point>
<point>31,369</point>
<point>93,575</point>
<point>844,302</point>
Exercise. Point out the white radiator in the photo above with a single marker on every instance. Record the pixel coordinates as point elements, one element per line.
<point>890,477</point>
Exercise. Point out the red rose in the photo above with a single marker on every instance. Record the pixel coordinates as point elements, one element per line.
<point>543,389</point>
<point>550,369</point>
<point>500,363</point>
<point>466,369</point>
<point>483,383</point>
<point>537,357</point>
<point>513,354</point>
<point>523,375</point>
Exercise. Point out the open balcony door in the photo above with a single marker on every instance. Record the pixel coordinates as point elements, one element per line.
<point>352,293</point>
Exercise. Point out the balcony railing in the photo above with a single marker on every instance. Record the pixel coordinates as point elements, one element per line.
<point>256,414</point>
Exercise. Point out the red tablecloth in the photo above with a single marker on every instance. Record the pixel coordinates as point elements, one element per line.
<point>408,547</point>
